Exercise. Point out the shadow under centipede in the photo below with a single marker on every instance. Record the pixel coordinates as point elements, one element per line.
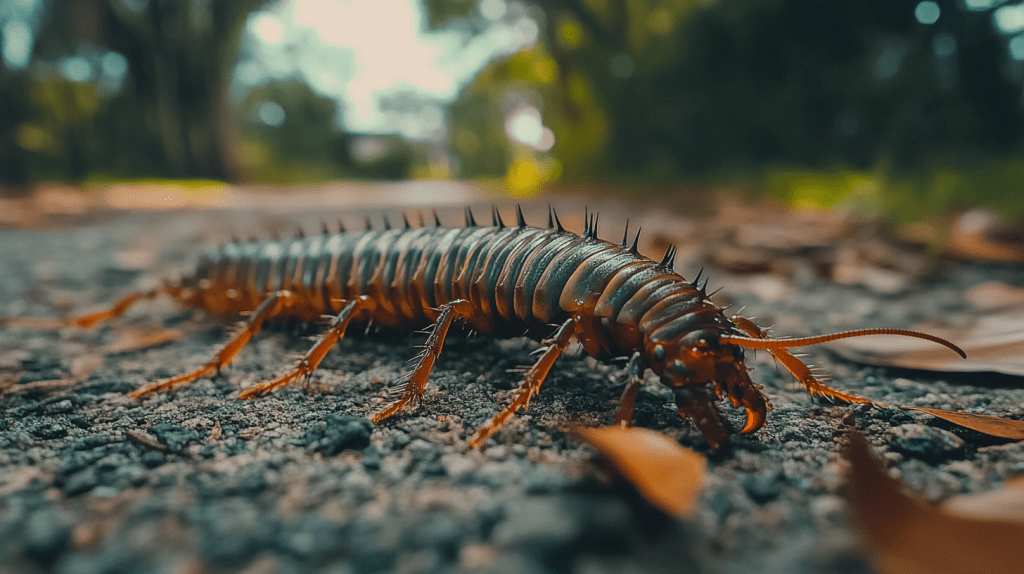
<point>982,379</point>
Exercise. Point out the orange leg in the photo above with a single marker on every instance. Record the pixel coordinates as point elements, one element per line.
<point>698,403</point>
<point>554,347</point>
<point>415,382</point>
<point>277,305</point>
<point>799,370</point>
<point>316,354</point>
<point>91,320</point>
<point>624,414</point>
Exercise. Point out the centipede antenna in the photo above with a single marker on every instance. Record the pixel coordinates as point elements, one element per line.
<point>520,220</point>
<point>323,228</point>
<point>405,220</point>
<point>387,222</point>
<point>341,227</point>
<point>437,220</point>
<point>770,344</point>
<point>551,221</point>
<point>636,242</point>
<point>369,224</point>
<point>625,233</point>
<point>470,221</point>
<point>558,223</point>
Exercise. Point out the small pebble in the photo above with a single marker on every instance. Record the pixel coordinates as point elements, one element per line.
<point>926,443</point>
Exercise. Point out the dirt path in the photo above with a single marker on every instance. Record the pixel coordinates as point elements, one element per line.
<point>194,481</point>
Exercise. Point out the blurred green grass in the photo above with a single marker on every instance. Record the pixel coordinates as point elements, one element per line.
<point>997,185</point>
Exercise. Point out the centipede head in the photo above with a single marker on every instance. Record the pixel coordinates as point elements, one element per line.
<point>700,369</point>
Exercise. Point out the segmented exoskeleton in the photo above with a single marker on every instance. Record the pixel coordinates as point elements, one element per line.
<point>501,280</point>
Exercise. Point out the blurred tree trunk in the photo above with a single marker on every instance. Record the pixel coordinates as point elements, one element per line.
<point>172,116</point>
<point>181,56</point>
<point>14,176</point>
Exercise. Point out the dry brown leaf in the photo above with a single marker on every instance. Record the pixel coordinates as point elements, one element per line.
<point>145,439</point>
<point>908,536</point>
<point>992,295</point>
<point>50,385</point>
<point>992,426</point>
<point>973,237</point>
<point>83,366</point>
<point>1006,503</point>
<point>994,343</point>
<point>666,474</point>
<point>138,339</point>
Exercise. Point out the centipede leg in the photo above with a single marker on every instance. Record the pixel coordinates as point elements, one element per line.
<point>553,348</point>
<point>797,367</point>
<point>323,345</point>
<point>91,320</point>
<point>417,380</point>
<point>698,404</point>
<point>624,414</point>
<point>276,305</point>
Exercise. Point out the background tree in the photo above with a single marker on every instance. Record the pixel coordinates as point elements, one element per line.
<point>165,109</point>
<point>659,89</point>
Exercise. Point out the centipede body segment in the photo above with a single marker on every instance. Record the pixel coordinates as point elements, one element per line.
<point>508,281</point>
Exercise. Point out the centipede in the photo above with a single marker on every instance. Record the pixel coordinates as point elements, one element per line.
<point>549,284</point>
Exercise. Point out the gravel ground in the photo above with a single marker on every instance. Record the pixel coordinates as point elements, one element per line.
<point>193,481</point>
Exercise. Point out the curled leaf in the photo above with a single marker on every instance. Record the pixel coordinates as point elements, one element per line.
<point>666,474</point>
<point>994,343</point>
<point>992,426</point>
<point>908,536</point>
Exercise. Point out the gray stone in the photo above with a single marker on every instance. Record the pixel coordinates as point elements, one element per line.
<point>926,443</point>
<point>46,535</point>
<point>340,434</point>
<point>540,526</point>
<point>762,488</point>
<point>47,431</point>
<point>80,482</point>
<point>176,438</point>
<point>153,459</point>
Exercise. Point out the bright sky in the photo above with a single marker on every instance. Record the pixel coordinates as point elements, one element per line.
<point>359,51</point>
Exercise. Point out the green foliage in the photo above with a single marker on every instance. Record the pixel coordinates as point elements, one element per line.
<point>655,90</point>
<point>309,145</point>
<point>167,116</point>
<point>906,196</point>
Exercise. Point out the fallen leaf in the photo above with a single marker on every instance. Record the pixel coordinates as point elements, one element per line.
<point>50,385</point>
<point>666,474</point>
<point>992,295</point>
<point>908,536</point>
<point>138,339</point>
<point>992,426</point>
<point>993,343</point>
<point>145,439</point>
<point>215,433</point>
<point>1006,503</point>
<point>83,366</point>
<point>974,237</point>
